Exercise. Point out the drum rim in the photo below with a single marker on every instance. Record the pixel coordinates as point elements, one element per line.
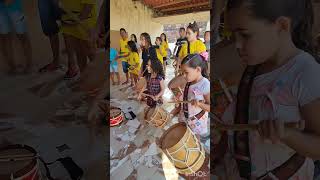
<point>112,117</point>
<point>25,169</point>
<point>118,122</point>
<point>169,130</point>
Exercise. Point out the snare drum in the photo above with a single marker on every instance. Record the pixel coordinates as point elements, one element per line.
<point>158,117</point>
<point>19,162</point>
<point>116,116</point>
<point>183,148</point>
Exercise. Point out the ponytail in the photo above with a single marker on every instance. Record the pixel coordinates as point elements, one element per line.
<point>302,32</point>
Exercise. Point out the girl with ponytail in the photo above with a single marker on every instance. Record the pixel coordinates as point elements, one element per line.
<point>197,90</point>
<point>279,86</point>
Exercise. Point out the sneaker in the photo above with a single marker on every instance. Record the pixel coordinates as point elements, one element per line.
<point>49,68</point>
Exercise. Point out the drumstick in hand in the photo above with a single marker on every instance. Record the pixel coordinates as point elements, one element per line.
<point>178,102</point>
<point>247,127</point>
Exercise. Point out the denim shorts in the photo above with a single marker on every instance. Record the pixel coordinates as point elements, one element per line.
<point>113,68</point>
<point>12,21</point>
<point>125,67</point>
<point>49,14</point>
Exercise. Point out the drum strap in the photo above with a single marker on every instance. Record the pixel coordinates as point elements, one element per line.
<point>188,47</point>
<point>241,117</point>
<point>185,105</point>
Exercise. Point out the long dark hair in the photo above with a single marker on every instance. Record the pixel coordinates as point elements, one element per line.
<point>135,38</point>
<point>195,28</point>
<point>159,39</point>
<point>148,39</point>
<point>299,11</point>
<point>157,67</point>
<point>133,46</point>
<point>196,60</point>
<point>165,37</point>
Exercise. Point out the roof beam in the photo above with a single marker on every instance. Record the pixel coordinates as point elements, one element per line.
<point>170,3</point>
<point>185,6</point>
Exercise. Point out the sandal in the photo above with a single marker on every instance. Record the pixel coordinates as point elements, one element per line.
<point>72,73</point>
<point>49,68</point>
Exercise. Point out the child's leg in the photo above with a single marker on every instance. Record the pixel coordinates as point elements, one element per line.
<point>6,40</point>
<point>135,79</point>
<point>70,52</point>
<point>112,77</point>
<point>26,44</point>
<point>82,53</point>
<point>132,79</point>
<point>118,77</point>
<point>7,50</point>
<point>18,21</point>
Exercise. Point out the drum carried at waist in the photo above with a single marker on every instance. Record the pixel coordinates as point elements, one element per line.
<point>19,162</point>
<point>183,148</point>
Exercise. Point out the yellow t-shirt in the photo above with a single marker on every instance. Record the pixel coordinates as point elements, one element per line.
<point>159,51</point>
<point>195,47</point>
<point>165,47</point>
<point>73,9</point>
<point>133,61</point>
<point>124,49</point>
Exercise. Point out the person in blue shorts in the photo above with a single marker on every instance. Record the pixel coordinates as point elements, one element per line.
<point>114,66</point>
<point>12,19</point>
<point>50,13</point>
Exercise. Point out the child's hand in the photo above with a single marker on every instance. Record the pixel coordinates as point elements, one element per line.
<point>156,98</point>
<point>139,97</point>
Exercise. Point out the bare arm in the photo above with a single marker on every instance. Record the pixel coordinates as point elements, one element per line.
<point>162,90</point>
<point>205,105</point>
<point>306,142</point>
<point>86,11</point>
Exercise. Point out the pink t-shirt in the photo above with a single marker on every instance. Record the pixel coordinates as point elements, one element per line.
<point>278,95</point>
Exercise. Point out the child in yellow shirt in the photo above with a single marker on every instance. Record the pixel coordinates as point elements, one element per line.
<point>194,45</point>
<point>134,62</point>
<point>165,45</point>
<point>159,49</point>
<point>78,24</point>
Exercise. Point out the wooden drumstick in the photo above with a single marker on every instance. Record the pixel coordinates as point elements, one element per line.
<point>247,127</point>
<point>178,102</point>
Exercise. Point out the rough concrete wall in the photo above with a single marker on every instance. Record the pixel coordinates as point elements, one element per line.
<point>134,17</point>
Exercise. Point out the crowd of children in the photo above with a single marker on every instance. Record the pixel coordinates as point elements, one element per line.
<point>193,66</point>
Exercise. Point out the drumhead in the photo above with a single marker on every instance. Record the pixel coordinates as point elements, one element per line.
<point>17,168</point>
<point>114,112</point>
<point>173,135</point>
